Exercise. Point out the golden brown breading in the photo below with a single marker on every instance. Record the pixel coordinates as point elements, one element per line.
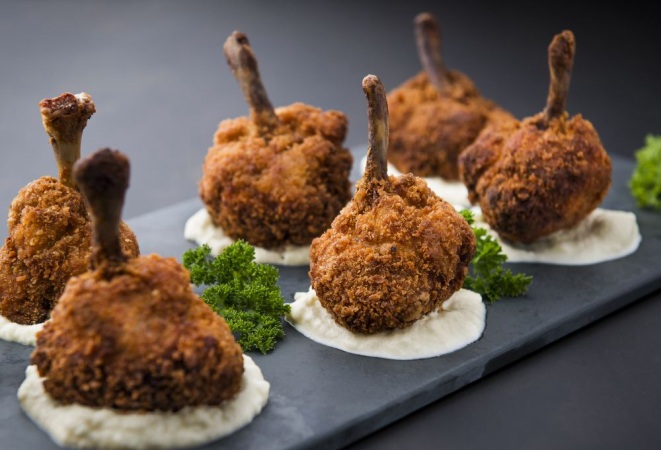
<point>544,174</point>
<point>141,340</point>
<point>131,334</point>
<point>396,253</point>
<point>532,181</point>
<point>435,115</point>
<point>429,129</point>
<point>278,187</point>
<point>49,242</point>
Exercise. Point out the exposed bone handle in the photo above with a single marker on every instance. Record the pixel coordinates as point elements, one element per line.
<point>561,61</point>
<point>377,116</point>
<point>64,119</point>
<point>103,179</point>
<point>428,40</point>
<point>243,63</point>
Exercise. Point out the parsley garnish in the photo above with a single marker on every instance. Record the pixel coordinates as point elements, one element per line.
<point>487,277</point>
<point>645,183</point>
<point>243,292</point>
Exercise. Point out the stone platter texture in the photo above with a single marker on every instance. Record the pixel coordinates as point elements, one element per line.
<point>323,398</point>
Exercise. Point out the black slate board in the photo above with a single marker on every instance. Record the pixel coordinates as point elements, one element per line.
<point>325,398</point>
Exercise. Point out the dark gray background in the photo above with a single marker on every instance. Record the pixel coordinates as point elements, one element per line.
<point>158,77</point>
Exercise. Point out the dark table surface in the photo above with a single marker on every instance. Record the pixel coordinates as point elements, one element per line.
<point>158,77</point>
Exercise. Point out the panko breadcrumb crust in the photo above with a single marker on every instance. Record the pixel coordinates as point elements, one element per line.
<point>394,254</point>
<point>429,129</point>
<point>137,340</point>
<point>50,238</point>
<point>531,180</point>
<point>280,187</point>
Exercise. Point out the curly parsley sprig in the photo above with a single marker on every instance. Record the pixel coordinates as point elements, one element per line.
<point>645,183</point>
<point>487,276</point>
<point>243,292</point>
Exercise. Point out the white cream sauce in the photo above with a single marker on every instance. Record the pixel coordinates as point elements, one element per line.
<point>453,192</point>
<point>459,322</point>
<point>15,332</point>
<point>604,235</point>
<point>201,229</point>
<point>80,426</point>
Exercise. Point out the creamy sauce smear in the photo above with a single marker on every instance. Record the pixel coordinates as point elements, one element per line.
<point>453,192</point>
<point>79,426</point>
<point>603,236</point>
<point>15,332</point>
<point>459,322</point>
<point>200,229</point>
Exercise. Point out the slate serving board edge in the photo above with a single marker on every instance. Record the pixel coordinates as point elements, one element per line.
<point>468,375</point>
<point>362,395</point>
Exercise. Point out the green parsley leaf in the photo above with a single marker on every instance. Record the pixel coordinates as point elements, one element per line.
<point>243,292</point>
<point>486,274</point>
<point>645,183</point>
<point>468,215</point>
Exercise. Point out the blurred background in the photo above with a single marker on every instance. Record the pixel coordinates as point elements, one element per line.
<point>157,74</point>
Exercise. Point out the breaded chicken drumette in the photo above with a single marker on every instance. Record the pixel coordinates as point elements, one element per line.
<point>280,176</point>
<point>131,334</point>
<point>541,175</point>
<point>435,115</point>
<point>49,228</point>
<point>397,251</point>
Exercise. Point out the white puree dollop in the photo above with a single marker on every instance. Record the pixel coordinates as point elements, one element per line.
<point>602,236</point>
<point>453,192</point>
<point>200,228</point>
<point>15,332</point>
<point>459,322</point>
<point>80,426</point>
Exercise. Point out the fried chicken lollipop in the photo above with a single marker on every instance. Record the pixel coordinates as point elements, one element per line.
<point>544,174</point>
<point>280,176</point>
<point>130,333</point>
<point>435,115</point>
<point>397,251</point>
<point>49,228</point>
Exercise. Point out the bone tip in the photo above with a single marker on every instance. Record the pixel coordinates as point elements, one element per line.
<point>67,104</point>
<point>563,44</point>
<point>371,83</point>
<point>426,19</point>
<point>104,168</point>
<point>236,40</point>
